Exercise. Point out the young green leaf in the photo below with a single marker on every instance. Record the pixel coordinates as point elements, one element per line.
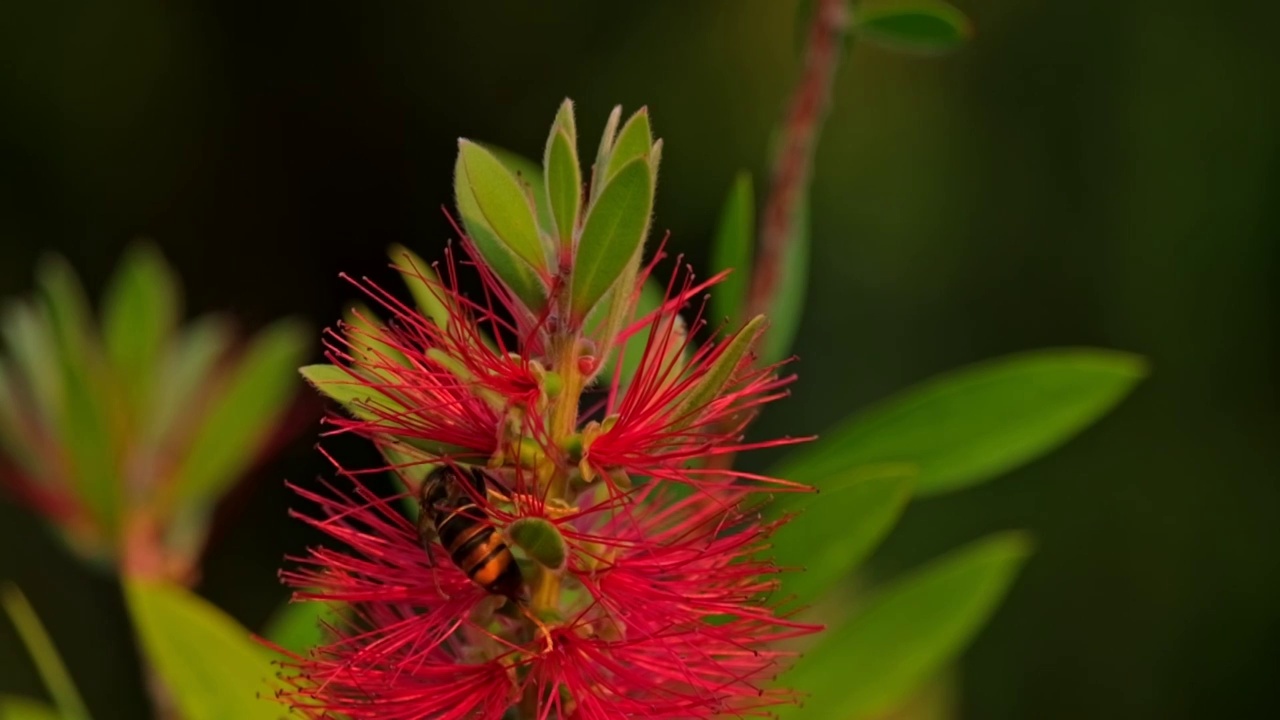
<point>512,268</point>
<point>733,249</point>
<point>973,424</point>
<point>612,235</point>
<point>190,361</point>
<point>140,311</point>
<point>362,331</point>
<point>839,527</point>
<point>721,371</point>
<point>787,308</point>
<point>18,436</point>
<point>423,283</point>
<point>242,417</point>
<point>356,397</point>
<point>634,141</point>
<point>908,631</point>
<point>504,202</point>
<point>29,335</point>
<point>299,626</point>
<point>209,663</point>
<point>598,175</point>
<point>564,187</point>
<point>921,26</point>
<point>529,174</point>
<point>15,707</point>
<point>86,424</point>
<point>48,663</point>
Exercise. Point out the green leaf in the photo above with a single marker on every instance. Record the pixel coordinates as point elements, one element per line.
<point>564,186</point>
<point>423,284</point>
<point>299,626</point>
<point>598,176</point>
<point>787,308</point>
<point>184,377</point>
<point>244,413</point>
<point>14,707</point>
<point>529,174</point>
<point>721,371</point>
<point>208,661</point>
<point>540,539</point>
<point>908,631</point>
<point>839,527</point>
<point>85,426</point>
<point>612,235</point>
<point>29,334</point>
<point>140,311</point>
<point>732,249</point>
<point>365,336</point>
<point>48,663</point>
<point>922,26</point>
<point>358,398</point>
<point>651,298</point>
<point>504,203</point>
<point>18,439</point>
<point>973,424</point>
<point>634,141</point>
<point>509,266</point>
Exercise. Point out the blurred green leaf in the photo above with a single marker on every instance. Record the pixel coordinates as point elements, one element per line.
<point>85,427</point>
<point>423,284</point>
<point>838,527</point>
<point>922,26</point>
<point>299,626</point>
<point>40,646</point>
<point>732,249</point>
<point>183,379</point>
<point>722,370</point>
<point>28,332</point>
<point>908,631</point>
<point>936,699</point>
<point>563,176</point>
<point>140,311</point>
<point>510,267</point>
<point>207,660</point>
<point>612,234</point>
<point>17,436</point>
<point>244,413</point>
<point>651,298</point>
<point>787,308</point>
<point>973,424</point>
<point>14,707</point>
<point>504,203</point>
<point>634,141</point>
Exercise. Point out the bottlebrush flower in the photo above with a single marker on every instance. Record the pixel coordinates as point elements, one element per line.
<point>560,566</point>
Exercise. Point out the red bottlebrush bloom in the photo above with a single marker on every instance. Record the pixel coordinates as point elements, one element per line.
<point>538,581</point>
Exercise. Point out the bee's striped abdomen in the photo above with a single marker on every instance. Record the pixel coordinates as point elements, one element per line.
<point>474,545</point>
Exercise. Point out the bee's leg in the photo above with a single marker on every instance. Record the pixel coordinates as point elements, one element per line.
<point>427,536</point>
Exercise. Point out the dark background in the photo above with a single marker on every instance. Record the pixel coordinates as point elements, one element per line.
<point>1090,172</point>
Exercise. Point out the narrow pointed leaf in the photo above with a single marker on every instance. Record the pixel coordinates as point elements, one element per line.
<point>17,432</point>
<point>15,707</point>
<point>365,337</point>
<point>210,664</point>
<point>140,310</point>
<point>908,631</point>
<point>721,371</point>
<point>847,519</point>
<point>787,308</point>
<point>607,137</point>
<point>634,141</point>
<point>243,415</point>
<point>40,646</point>
<point>612,235</point>
<point>355,396</point>
<point>973,424</point>
<point>28,332</point>
<point>423,284</point>
<point>564,186</point>
<point>182,382</point>
<point>510,267</point>
<point>86,422</point>
<point>921,26</point>
<point>504,203</point>
<point>733,249</point>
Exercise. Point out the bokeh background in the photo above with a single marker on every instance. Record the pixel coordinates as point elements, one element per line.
<point>1089,172</point>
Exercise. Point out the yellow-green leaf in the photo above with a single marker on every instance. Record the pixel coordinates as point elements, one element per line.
<point>210,664</point>
<point>40,646</point>
<point>140,311</point>
<point>503,202</point>
<point>612,234</point>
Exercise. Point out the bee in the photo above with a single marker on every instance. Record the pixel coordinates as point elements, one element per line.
<point>476,547</point>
